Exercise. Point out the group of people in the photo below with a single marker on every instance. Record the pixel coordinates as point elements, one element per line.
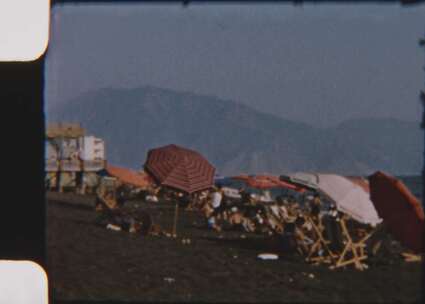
<point>245,212</point>
<point>113,212</point>
<point>251,214</point>
<point>299,224</point>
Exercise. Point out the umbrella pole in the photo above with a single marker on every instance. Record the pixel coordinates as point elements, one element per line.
<point>176,211</point>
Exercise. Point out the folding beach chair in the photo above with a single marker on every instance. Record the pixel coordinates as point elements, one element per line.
<point>354,250</point>
<point>319,251</point>
<point>303,241</point>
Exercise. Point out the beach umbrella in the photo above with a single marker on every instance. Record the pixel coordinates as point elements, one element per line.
<point>267,182</point>
<point>128,176</point>
<point>309,180</point>
<point>349,198</point>
<point>400,209</point>
<point>180,168</point>
<point>360,181</point>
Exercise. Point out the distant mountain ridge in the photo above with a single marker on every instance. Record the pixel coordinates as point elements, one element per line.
<point>236,138</point>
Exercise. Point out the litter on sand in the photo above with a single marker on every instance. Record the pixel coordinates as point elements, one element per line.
<point>268,256</point>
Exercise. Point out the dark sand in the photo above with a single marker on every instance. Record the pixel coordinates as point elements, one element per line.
<point>88,262</point>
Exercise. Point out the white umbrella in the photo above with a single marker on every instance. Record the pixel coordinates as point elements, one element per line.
<point>310,180</point>
<point>349,198</point>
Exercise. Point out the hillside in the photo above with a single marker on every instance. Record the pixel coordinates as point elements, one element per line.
<point>236,138</point>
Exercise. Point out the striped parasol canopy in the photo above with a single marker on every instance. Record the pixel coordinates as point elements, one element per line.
<point>180,168</point>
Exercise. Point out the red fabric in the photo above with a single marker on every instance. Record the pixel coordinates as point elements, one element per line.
<point>399,208</point>
<point>131,177</point>
<point>267,182</point>
<point>180,168</point>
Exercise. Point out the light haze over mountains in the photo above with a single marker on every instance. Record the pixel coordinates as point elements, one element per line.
<point>341,83</point>
<point>238,139</point>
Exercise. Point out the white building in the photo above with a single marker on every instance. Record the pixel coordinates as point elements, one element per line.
<point>91,148</point>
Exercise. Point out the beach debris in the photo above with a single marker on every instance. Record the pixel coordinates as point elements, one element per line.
<point>291,280</point>
<point>243,236</point>
<point>311,276</point>
<point>113,227</point>
<point>186,241</point>
<point>410,257</point>
<point>169,280</point>
<point>376,247</point>
<point>151,198</point>
<point>268,256</point>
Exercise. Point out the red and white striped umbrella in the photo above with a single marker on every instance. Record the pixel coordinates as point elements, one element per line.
<point>180,168</point>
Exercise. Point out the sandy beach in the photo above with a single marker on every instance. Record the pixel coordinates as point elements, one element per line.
<point>89,262</point>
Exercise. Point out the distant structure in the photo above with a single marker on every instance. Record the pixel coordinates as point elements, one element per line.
<point>72,159</point>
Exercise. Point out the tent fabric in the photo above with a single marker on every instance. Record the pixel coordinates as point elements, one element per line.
<point>349,198</point>
<point>267,182</point>
<point>180,168</point>
<point>401,210</point>
<point>127,176</point>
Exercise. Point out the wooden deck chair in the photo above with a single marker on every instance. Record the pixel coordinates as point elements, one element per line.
<point>303,241</point>
<point>354,251</point>
<point>273,221</point>
<point>319,251</point>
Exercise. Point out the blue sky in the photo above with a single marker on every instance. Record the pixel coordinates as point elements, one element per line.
<point>320,64</point>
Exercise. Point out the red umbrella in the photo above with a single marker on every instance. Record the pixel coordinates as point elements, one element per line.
<point>180,168</point>
<point>400,209</point>
<point>131,177</point>
<point>267,182</point>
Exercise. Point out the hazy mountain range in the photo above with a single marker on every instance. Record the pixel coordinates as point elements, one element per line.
<point>236,138</point>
